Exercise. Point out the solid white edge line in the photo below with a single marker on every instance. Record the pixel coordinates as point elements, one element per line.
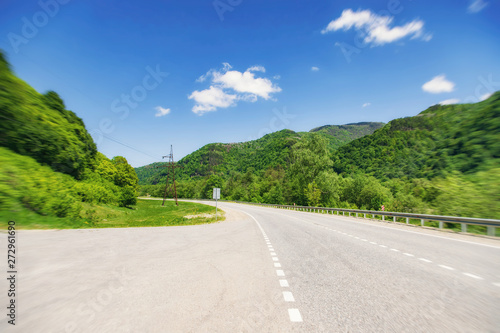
<point>473,276</point>
<point>447,267</point>
<point>295,316</point>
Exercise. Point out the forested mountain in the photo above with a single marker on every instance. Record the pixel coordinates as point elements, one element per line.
<point>339,135</point>
<point>270,151</point>
<point>443,161</point>
<point>440,140</point>
<point>49,163</point>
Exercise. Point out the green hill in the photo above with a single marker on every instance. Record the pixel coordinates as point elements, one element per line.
<point>438,141</point>
<point>270,151</point>
<point>49,164</point>
<point>339,135</point>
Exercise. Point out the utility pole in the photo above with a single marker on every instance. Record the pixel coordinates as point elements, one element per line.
<point>171,172</point>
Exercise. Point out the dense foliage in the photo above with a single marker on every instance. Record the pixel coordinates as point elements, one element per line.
<point>270,151</point>
<point>48,161</point>
<point>443,161</point>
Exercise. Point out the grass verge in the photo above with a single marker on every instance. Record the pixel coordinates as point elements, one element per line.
<point>147,213</point>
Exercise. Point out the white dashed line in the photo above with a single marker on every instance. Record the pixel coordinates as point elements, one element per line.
<point>473,276</point>
<point>288,296</point>
<point>424,260</point>
<point>447,267</point>
<point>408,254</point>
<point>295,315</point>
<point>364,240</point>
<point>356,237</point>
<point>373,243</point>
<point>395,250</point>
<point>496,284</point>
<point>284,283</point>
<point>383,246</point>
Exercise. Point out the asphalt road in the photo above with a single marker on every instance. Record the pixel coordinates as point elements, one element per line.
<point>262,270</point>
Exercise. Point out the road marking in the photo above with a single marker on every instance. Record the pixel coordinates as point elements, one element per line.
<point>373,243</point>
<point>295,315</point>
<point>408,254</point>
<point>473,276</point>
<point>424,260</point>
<point>383,246</point>
<point>395,250</point>
<point>447,267</point>
<point>364,240</point>
<point>398,229</point>
<point>288,296</point>
<point>497,284</point>
<point>356,237</point>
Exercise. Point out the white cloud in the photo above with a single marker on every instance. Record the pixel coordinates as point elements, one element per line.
<point>377,29</point>
<point>476,6</point>
<point>230,86</point>
<point>277,77</point>
<point>485,96</point>
<point>160,112</point>
<point>438,84</point>
<point>210,99</point>
<point>314,68</point>
<point>366,104</point>
<point>256,69</point>
<point>450,101</point>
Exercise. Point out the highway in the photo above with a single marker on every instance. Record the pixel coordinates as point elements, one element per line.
<point>261,270</point>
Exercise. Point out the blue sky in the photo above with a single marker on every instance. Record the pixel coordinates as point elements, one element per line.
<point>147,75</point>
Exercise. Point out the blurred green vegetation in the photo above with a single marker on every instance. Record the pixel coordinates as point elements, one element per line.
<point>444,161</point>
<point>49,164</point>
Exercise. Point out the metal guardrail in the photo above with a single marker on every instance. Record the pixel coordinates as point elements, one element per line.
<point>491,224</point>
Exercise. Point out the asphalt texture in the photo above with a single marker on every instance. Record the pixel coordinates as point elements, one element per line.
<point>261,270</point>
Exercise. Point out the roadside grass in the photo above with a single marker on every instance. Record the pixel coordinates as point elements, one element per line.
<point>147,213</point>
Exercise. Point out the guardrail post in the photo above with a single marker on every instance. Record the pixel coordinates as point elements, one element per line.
<point>337,212</point>
<point>383,217</point>
<point>440,224</point>
<point>364,215</point>
<point>407,220</point>
<point>490,231</point>
<point>394,219</point>
<point>464,227</point>
<point>422,222</point>
<point>343,213</point>
<point>349,214</point>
